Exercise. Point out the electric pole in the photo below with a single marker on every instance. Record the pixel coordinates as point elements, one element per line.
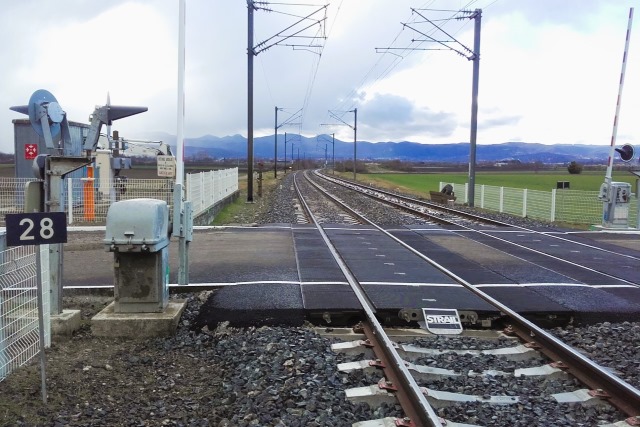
<point>333,115</point>
<point>275,145</point>
<point>294,116</point>
<point>250,54</point>
<point>252,51</point>
<point>471,55</point>
<point>477,17</point>
<point>333,154</point>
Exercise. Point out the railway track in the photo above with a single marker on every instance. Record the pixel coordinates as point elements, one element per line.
<point>327,209</point>
<point>525,243</point>
<point>435,213</point>
<point>403,381</point>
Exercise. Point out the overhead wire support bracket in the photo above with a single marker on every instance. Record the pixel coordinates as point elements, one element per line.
<point>431,39</point>
<point>471,55</point>
<point>254,49</point>
<point>447,34</point>
<point>335,116</point>
<point>258,47</point>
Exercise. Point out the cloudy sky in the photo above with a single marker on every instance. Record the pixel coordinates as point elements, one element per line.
<point>549,69</point>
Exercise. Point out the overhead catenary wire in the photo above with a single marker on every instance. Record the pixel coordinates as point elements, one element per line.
<point>359,87</point>
<point>348,101</point>
<point>315,42</point>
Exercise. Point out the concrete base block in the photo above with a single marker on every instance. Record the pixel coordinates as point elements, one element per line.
<point>107,323</point>
<point>65,323</point>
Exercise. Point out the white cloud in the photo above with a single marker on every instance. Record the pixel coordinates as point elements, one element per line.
<point>549,70</point>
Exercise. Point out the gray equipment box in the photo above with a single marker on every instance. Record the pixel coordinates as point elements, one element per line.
<point>137,225</point>
<point>615,209</point>
<point>137,234</point>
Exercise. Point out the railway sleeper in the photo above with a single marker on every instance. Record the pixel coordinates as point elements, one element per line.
<point>411,352</point>
<point>383,392</point>
<point>394,422</point>
<point>516,353</point>
<point>427,373</point>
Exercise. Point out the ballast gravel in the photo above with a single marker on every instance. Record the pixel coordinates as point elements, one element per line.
<point>267,376</point>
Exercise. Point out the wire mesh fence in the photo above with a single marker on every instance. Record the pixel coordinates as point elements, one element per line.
<point>12,196</point>
<point>87,200</point>
<point>570,206</point>
<point>19,333</point>
<point>539,205</point>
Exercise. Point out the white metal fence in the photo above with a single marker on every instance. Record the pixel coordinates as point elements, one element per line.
<point>19,334</point>
<point>571,206</point>
<point>87,200</point>
<point>205,189</point>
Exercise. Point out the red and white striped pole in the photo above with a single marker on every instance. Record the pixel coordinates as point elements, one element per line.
<point>607,178</point>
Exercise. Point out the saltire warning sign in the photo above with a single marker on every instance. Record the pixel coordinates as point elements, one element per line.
<point>30,151</point>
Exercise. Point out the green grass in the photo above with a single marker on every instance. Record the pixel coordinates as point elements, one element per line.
<point>227,214</point>
<point>544,181</point>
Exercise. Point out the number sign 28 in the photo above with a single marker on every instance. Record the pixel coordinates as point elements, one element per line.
<point>36,228</point>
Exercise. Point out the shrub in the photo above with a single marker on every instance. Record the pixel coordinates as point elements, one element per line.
<point>574,168</point>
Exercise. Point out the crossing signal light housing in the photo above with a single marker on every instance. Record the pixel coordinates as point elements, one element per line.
<point>626,152</point>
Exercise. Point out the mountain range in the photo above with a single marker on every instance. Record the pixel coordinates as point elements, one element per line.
<point>235,146</point>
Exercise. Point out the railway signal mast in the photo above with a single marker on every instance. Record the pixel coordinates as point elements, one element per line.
<point>616,196</point>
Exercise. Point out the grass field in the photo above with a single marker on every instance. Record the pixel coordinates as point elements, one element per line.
<point>544,181</point>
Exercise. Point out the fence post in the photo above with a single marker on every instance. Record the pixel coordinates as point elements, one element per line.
<point>187,189</point>
<point>501,199</point>
<point>215,184</point>
<point>4,356</point>
<point>524,203</point>
<point>553,205</point>
<point>466,193</point>
<point>482,196</point>
<point>201,189</point>
<point>69,201</point>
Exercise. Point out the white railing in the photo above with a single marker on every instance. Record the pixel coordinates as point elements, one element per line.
<point>205,189</point>
<point>571,206</point>
<point>87,200</point>
<point>19,334</point>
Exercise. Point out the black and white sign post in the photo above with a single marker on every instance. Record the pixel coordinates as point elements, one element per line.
<point>37,229</point>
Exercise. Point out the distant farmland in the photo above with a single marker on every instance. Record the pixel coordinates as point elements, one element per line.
<point>544,181</point>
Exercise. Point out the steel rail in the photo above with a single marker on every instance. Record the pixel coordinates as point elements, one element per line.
<point>338,203</point>
<point>619,393</point>
<point>487,234</point>
<point>467,215</point>
<point>419,410</point>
